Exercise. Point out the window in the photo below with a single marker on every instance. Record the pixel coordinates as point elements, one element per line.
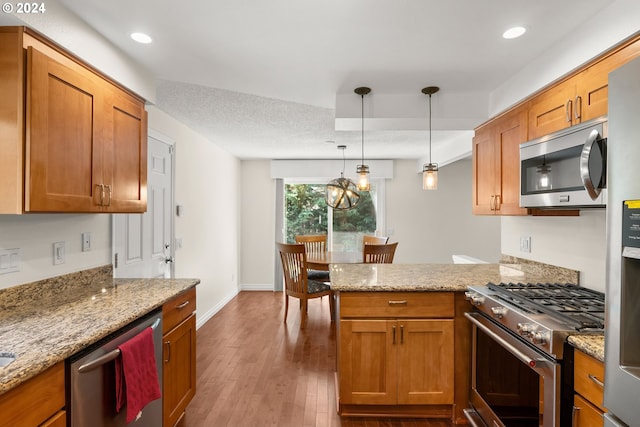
<point>306,212</point>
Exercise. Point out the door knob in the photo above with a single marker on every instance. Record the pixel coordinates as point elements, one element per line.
<point>168,259</point>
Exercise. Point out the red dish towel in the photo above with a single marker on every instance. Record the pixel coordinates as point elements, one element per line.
<point>136,374</point>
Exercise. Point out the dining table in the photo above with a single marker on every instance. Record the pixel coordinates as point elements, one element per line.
<point>322,260</point>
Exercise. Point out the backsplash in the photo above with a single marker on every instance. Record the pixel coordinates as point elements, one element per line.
<point>564,275</point>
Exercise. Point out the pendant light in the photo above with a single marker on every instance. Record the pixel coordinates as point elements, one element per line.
<point>342,193</point>
<point>362,169</point>
<point>544,183</point>
<point>430,170</point>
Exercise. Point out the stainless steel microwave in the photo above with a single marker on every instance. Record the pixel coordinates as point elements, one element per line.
<point>566,169</point>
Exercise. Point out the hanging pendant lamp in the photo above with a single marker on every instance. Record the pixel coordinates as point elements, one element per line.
<point>342,193</point>
<point>430,170</point>
<point>362,169</point>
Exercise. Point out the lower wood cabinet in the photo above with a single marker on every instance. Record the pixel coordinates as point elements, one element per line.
<point>588,383</point>
<point>402,354</point>
<point>179,357</point>
<point>37,402</point>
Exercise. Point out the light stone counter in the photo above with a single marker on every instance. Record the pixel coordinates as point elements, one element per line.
<point>438,277</point>
<point>45,322</point>
<point>592,344</point>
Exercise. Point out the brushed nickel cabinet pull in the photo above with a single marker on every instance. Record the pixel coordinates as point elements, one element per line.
<point>168,346</point>
<point>101,187</point>
<point>401,334</point>
<point>567,110</point>
<point>398,302</point>
<point>492,203</point>
<point>574,416</point>
<point>498,202</point>
<point>109,193</point>
<point>393,329</point>
<point>183,305</point>
<point>577,111</point>
<point>596,380</point>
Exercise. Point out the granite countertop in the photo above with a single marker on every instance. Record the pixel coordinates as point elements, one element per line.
<point>592,344</point>
<point>439,277</point>
<point>45,322</point>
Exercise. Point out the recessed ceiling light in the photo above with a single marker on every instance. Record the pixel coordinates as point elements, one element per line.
<point>514,32</point>
<point>141,38</point>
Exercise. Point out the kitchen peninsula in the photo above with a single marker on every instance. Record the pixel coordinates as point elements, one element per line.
<point>403,342</point>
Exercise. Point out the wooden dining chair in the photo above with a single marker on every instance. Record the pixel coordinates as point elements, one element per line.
<point>297,284</point>
<point>379,254</point>
<point>314,243</point>
<point>374,240</point>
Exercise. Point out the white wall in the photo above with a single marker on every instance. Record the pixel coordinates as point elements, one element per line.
<point>578,243</point>
<point>207,186</point>
<point>35,234</point>
<point>430,226</point>
<point>257,237</point>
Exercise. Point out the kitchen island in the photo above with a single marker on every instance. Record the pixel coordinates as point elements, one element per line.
<point>403,342</point>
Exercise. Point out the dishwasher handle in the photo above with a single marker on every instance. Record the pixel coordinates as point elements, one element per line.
<point>106,358</point>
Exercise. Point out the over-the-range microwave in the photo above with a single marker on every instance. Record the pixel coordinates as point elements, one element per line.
<point>566,169</point>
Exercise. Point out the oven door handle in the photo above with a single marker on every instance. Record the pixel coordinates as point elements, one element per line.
<point>517,353</point>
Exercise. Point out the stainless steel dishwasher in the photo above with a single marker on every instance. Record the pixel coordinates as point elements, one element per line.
<point>91,380</point>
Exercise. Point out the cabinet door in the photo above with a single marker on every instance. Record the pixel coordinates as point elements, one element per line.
<point>585,414</point>
<point>63,151</point>
<point>552,110</point>
<point>485,169</point>
<point>425,362</point>
<point>508,133</point>
<point>367,362</point>
<point>58,420</point>
<point>179,371</point>
<point>125,153</point>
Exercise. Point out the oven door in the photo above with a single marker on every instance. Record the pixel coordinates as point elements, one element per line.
<point>512,383</point>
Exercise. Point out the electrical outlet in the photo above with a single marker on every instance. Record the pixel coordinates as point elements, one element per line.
<point>59,253</point>
<point>9,260</point>
<point>86,242</point>
<point>525,244</point>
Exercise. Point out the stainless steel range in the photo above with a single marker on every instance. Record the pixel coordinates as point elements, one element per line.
<point>519,334</point>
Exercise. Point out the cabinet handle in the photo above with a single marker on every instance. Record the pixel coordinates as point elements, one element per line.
<point>498,202</point>
<point>574,416</point>
<point>398,302</point>
<point>183,305</point>
<point>492,203</point>
<point>401,334</point>
<point>167,344</point>
<point>577,111</point>
<point>567,110</point>
<point>596,380</point>
<point>109,193</point>
<point>393,329</point>
<point>101,188</point>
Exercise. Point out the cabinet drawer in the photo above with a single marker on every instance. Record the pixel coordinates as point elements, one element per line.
<point>178,309</point>
<point>397,304</point>
<point>33,402</point>
<point>588,378</point>
<point>585,414</point>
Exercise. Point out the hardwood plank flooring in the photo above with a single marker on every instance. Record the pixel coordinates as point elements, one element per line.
<point>254,370</point>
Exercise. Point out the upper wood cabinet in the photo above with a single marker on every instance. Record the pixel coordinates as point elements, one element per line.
<point>580,97</point>
<point>80,146</point>
<point>496,165</point>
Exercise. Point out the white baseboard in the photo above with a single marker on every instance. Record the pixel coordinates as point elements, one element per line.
<point>212,312</point>
<point>256,287</point>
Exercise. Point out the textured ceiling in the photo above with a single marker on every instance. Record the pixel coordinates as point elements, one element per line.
<point>262,78</point>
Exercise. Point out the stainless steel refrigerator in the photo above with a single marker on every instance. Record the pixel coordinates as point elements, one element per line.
<point>622,331</point>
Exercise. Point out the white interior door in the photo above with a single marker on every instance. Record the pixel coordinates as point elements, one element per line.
<point>143,243</point>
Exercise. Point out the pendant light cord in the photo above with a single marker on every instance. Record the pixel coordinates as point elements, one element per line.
<point>362,126</point>
<point>429,128</point>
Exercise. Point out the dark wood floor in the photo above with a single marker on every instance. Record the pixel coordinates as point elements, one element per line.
<point>254,370</point>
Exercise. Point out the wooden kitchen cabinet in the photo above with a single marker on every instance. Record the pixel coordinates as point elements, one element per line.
<point>496,165</point>
<point>37,402</point>
<point>179,356</point>
<point>81,143</point>
<point>397,355</point>
<point>581,96</point>
<point>588,383</point>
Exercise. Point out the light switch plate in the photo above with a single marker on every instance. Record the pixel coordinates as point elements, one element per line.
<point>525,244</point>
<point>59,253</point>
<point>9,260</point>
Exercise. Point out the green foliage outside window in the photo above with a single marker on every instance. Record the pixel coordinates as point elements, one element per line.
<point>306,212</point>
